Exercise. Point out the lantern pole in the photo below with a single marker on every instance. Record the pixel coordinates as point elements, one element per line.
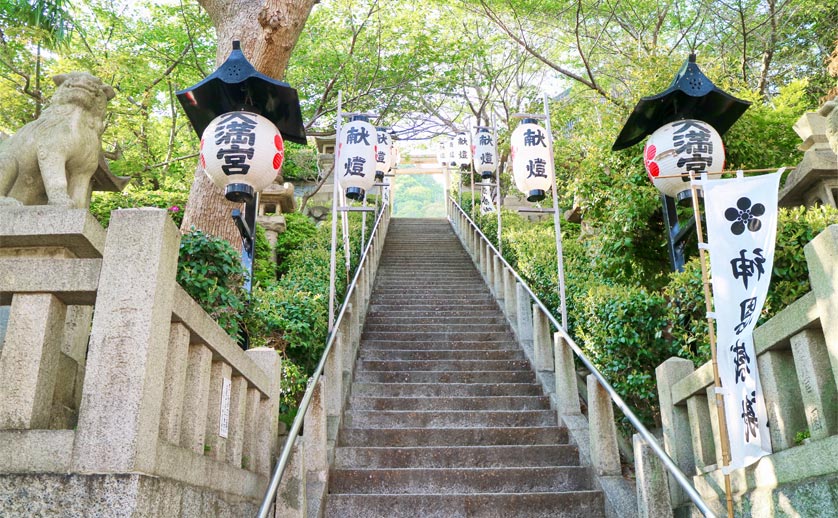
<point>470,169</point>
<point>717,383</point>
<point>556,216</point>
<point>344,225</point>
<point>336,189</point>
<point>497,182</point>
<point>363,226</point>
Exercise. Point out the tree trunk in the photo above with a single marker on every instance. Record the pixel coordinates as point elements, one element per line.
<point>268,31</point>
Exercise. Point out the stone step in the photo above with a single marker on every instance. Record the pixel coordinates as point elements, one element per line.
<point>441,354</point>
<point>481,436</point>
<point>447,418</point>
<point>441,300</point>
<point>450,403</point>
<point>520,376</point>
<point>430,390</point>
<point>433,320</point>
<point>458,456</point>
<point>467,309</point>
<point>459,480</point>
<point>406,327</point>
<point>461,345</point>
<point>439,336</point>
<point>443,365</point>
<point>572,504</point>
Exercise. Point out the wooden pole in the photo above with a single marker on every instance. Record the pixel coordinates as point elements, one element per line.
<point>335,190</point>
<point>717,383</point>
<point>556,217</point>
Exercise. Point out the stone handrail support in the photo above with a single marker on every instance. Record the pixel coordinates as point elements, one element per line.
<point>797,356</point>
<point>109,367</point>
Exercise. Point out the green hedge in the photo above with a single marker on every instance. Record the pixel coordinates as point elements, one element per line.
<point>102,203</point>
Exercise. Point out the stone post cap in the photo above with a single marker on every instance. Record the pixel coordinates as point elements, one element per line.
<point>36,226</point>
<point>811,128</point>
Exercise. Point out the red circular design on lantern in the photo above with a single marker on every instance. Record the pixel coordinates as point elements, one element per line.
<point>203,162</point>
<point>278,143</point>
<point>202,145</point>
<point>277,160</point>
<point>654,170</point>
<point>650,152</point>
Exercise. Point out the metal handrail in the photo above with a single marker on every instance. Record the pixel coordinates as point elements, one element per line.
<point>279,470</point>
<point>668,463</point>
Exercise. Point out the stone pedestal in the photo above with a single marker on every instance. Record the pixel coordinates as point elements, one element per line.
<point>815,180</point>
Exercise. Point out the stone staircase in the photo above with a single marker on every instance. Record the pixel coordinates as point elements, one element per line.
<point>445,418</point>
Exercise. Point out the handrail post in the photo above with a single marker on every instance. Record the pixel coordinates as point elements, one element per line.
<point>567,390</point>
<point>524,314</point>
<point>651,483</point>
<point>541,342</point>
<point>605,456</point>
<point>676,423</point>
<point>315,437</point>
<point>497,279</point>
<point>510,299</point>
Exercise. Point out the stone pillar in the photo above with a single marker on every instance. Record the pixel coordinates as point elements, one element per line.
<point>194,417</point>
<point>698,412</point>
<point>510,299</point>
<point>128,343</point>
<point>779,389</point>
<point>524,314</point>
<point>822,259</point>
<point>677,440</point>
<point>714,425</point>
<point>175,383</point>
<point>605,456</point>
<point>542,343</point>
<point>235,435</point>
<point>315,435</point>
<point>291,493</point>
<point>567,390</point>
<point>498,279</point>
<point>29,361</point>
<point>251,426</point>
<point>268,426</point>
<point>652,484</point>
<point>817,385</point>
<point>220,375</point>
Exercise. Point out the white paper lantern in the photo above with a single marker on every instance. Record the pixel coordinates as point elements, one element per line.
<point>532,165</point>
<point>395,157</point>
<point>680,147</point>
<point>462,151</point>
<point>442,155</point>
<point>452,152</point>
<point>485,154</point>
<point>357,158</point>
<point>242,153</point>
<point>383,154</point>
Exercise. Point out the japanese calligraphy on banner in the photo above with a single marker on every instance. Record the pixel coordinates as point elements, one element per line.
<point>488,199</point>
<point>741,229</point>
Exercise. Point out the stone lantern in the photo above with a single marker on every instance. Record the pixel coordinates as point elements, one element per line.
<point>815,180</point>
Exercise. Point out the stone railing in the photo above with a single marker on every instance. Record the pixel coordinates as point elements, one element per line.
<point>117,391</point>
<point>300,479</point>
<point>797,356</point>
<point>552,354</point>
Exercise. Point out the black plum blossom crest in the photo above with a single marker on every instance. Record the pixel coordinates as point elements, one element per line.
<point>745,216</point>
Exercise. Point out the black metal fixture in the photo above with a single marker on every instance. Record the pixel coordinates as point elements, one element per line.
<point>692,95</point>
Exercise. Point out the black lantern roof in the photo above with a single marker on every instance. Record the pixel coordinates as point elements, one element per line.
<point>236,85</point>
<point>690,96</point>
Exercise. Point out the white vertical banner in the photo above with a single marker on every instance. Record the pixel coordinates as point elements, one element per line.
<point>741,229</point>
<point>488,200</point>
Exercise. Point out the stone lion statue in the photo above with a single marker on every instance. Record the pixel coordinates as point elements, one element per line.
<point>52,160</point>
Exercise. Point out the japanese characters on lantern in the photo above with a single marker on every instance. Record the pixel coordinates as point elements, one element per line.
<point>442,155</point>
<point>462,151</point>
<point>357,158</point>
<point>679,148</point>
<point>241,149</point>
<point>383,154</point>
<point>532,165</point>
<point>484,153</point>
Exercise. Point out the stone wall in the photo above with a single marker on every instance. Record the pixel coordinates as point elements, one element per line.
<point>797,354</point>
<point>119,395</point>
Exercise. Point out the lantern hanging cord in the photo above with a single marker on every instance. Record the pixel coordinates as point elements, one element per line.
<point>730,171</point>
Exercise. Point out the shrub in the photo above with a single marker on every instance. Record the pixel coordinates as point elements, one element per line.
<point>264,268</point>
<point>298,231</point>
<point>292,388</point>
<point>102,203</point>
<point>621,332</point>
<point>210,271</point>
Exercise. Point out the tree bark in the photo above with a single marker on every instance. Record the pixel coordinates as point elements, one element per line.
<point>268,31</point>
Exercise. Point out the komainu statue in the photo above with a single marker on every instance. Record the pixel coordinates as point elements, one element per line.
<point>52,160</point>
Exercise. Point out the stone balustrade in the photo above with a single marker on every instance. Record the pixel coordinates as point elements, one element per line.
<point>302,488</point>
<point>552,357</point>
<point>115,386</point>
<point>797,355</point>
